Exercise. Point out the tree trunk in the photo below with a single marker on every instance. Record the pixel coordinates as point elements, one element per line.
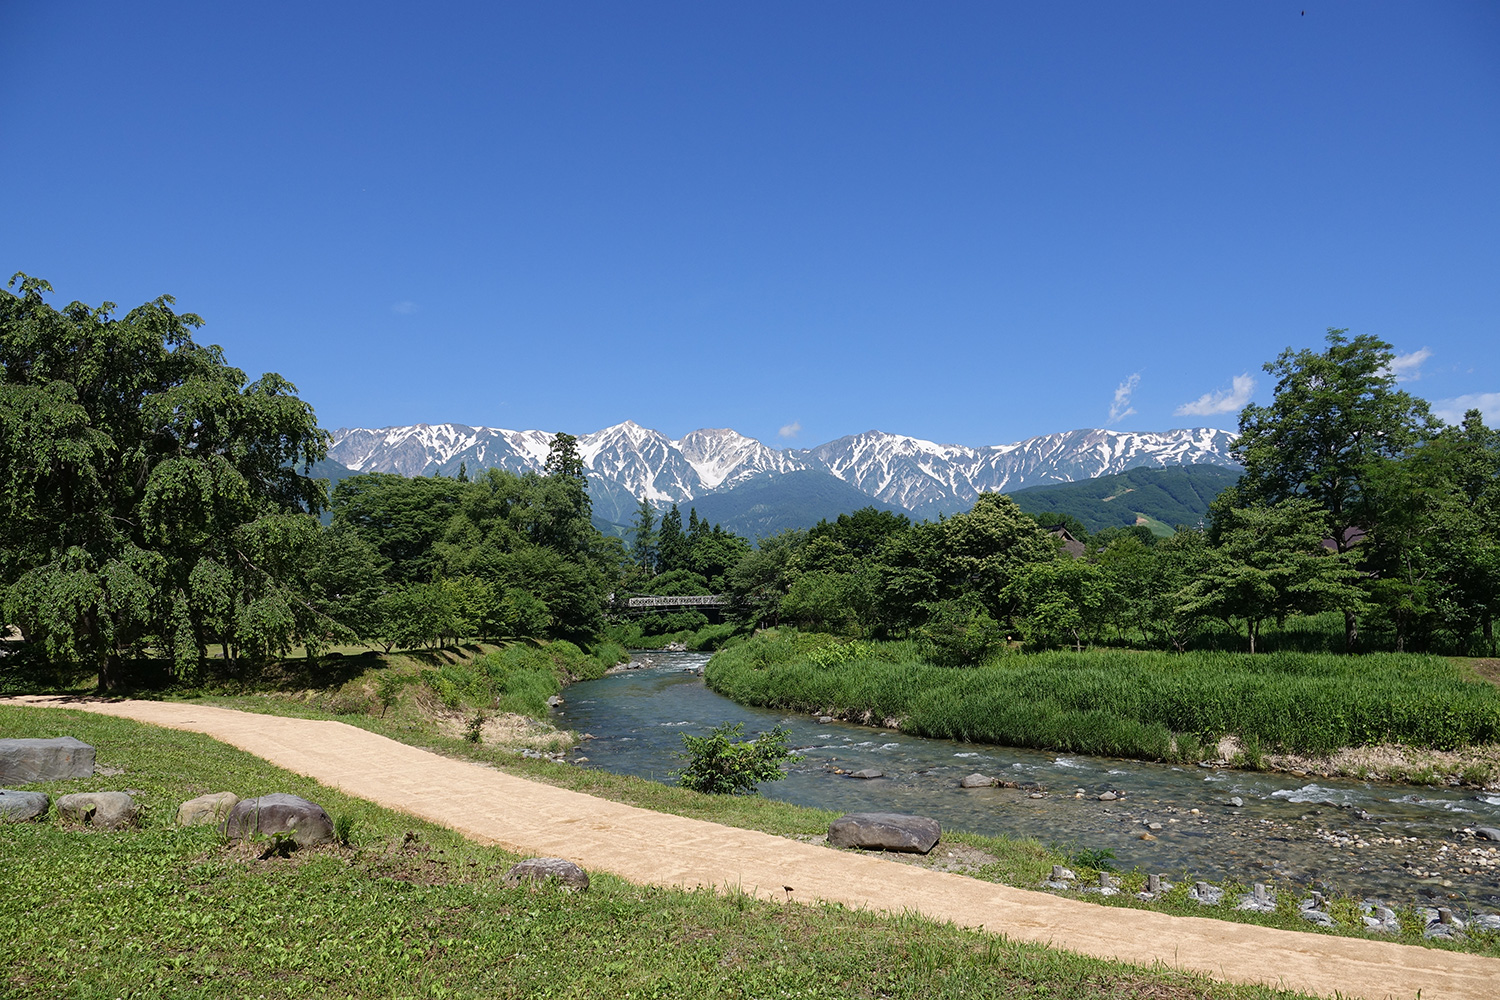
<point>1351,632</point>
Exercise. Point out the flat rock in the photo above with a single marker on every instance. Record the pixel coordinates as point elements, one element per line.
<point>977,781</point>
<point>1486,833</point>
<point>279,813</point>
<point>544,869</point>
<point>25,761</point>
<point>1234,802</point>
<point>868,773</point>
<point>1107,796</point>
<point>108,810</point>
<point>207,810</point>
<point>885,832</point>
<point>18,807</point>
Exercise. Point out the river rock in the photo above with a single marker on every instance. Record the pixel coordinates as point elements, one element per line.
<point>207,810</point>
<point>977,781</point>
<point>1317,917</point>
<point>1205,894</point>
<point>885,832</point>
<point>1486,833</point>
<point>279,813</point>
<point>1107,796</point>
<point>24,761</point>
<point>569,875</point>
<point>18,807</point>
<point>1234,801</point>
<point>108,810</point>
<point>868,773</point>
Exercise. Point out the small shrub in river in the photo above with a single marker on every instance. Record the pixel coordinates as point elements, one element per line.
<point>721,764</point>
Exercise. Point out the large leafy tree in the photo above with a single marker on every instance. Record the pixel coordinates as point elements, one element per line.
<point>1271,564</point>
<point>149,493</point>
<point>1336,416</point>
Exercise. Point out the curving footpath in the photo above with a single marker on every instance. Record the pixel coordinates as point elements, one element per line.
<point>529,818</point>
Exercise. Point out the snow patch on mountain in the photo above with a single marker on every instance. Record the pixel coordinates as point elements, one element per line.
<point>908,472</point>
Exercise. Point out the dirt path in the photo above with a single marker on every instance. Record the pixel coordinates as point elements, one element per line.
<point>645,847</point>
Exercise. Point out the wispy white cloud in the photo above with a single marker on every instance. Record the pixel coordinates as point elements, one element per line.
<point>1452,410</point>
<point>1228,400</point>
<point>1121,408</point>
<point>1408,367</point>
<point>791,430</point>
<point>405,307</point>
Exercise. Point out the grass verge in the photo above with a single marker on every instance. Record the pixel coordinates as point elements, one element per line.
<point>164,911</point>
<point>1142,705</point>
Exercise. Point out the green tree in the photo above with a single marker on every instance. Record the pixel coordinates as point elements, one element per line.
<point>148,491</point>
<point>643,537</point>
<point>1064,600</point>
<point>1270,564</point>
<point>671,543</point>
<point>1335,416</point>
<point>762,576</point>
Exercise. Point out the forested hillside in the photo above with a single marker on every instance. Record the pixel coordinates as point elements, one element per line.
<point>1172,497</point>
<point>773,502</point>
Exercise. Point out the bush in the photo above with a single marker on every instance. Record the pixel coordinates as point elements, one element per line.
<point>721,764</point>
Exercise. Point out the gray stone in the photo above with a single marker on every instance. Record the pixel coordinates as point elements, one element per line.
<point>1257,900</point>
<point>1235,801</point>
<point>28,760</point>
<point>977,781</point>
<point>885,832</point>
<point>868,773</point>
<point>279,813</point>
<point>569,875</point>
<point>1107,797</point>
<point>1486,922</point>
<point>1205,895</point>
<point>1486,833</point>
<point>18,807</point>
<point>109,810</point>
<point>1317,917</point>
<point>207,810</point>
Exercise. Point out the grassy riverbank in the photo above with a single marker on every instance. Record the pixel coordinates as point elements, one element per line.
<point>1148,706</point>
<point>159,910</point>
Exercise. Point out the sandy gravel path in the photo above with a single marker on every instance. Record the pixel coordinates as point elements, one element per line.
<point>492,807</point>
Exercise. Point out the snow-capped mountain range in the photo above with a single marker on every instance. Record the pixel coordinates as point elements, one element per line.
<point>918,475</point>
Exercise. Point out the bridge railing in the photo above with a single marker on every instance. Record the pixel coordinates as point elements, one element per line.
<point>696,600</point>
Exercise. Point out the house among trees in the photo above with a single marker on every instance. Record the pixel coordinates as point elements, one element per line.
<point>1071,545</point>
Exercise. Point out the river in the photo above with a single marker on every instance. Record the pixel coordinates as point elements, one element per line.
<point>1288,829</point>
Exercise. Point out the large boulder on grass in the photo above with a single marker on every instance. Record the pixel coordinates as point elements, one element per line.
<point>885,832</point>
<point>279,812</point>
<point>107,810</point>
<point>558,870</point>
<point>18,807</point>
<point>207,810</point>
<point>25,761</point>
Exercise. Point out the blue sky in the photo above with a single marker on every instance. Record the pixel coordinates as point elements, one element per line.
<point>972,223</point>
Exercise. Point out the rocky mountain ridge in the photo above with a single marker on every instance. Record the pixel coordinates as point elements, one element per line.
<point>920,476</point>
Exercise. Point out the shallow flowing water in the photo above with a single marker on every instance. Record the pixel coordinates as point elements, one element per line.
<point>1305,831</point>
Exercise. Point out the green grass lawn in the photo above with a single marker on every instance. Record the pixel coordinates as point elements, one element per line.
<point>158,911</point>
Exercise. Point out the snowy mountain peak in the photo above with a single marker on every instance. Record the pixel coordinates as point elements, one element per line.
<point>909,472</point>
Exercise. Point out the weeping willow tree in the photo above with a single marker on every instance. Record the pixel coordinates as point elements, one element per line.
<point>151,497</point>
